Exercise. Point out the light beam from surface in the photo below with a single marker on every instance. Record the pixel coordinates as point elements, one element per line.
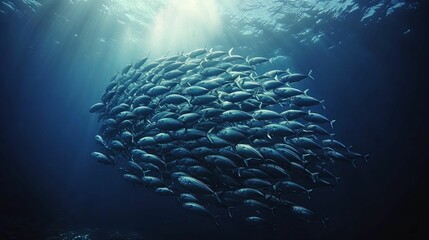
<point>182,25</point>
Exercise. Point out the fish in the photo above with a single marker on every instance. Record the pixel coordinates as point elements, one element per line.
<point>153,182</point>
<point>164,191</point>
<point>235,116</point>
<point>187,197</point>
<point>307,215</point>
<point>218,130</point>
<point>101,158</point>
<point>255,220</point>
<point>259,205</point>
<point>292,187</point>
<point>132,178</point>
<point>249,193</point>
<point>96,107</point>
<point>195,185</point>
<point>199,209</point>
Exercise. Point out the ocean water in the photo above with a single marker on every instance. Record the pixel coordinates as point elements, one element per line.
<point>368,58</point>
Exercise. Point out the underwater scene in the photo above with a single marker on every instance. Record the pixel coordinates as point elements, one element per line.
<point>214,119</point>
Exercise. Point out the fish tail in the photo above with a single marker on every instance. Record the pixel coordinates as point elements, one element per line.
<point>230,212</point>
<point>246,161</point>
<point>309,74</point>
<point>337,179</point>
<point>315,176</point>
<point>239,170</point>
<point>216,219</point>
<point>306,91</point>
<point>308,192</point>
<point>217,197</point>
<point>332,123</point>
<point>353,163</point>
<point>366,157</point>
<point>230,52</point>
<point>238,81</point>
<point>209,138</point>
<point>321,103</point>
<point>324,222</point>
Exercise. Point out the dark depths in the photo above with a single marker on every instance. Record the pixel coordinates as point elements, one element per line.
<point>384,113</point>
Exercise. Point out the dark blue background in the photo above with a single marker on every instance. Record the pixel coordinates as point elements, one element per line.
<point>375,85</point>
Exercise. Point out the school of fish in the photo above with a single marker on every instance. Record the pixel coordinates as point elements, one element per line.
<point>211,130</point>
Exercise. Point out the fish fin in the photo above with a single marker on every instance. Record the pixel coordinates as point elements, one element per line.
<point>270,60</point>
<point>247,59</point>
<point>230,52</point>
<point>269,136</point>
<point>288,71</point>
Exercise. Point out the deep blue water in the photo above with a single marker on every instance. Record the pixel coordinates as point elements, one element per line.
<point>372,75</point>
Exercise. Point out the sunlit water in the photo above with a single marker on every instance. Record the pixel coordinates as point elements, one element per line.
<point>58,56</point>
